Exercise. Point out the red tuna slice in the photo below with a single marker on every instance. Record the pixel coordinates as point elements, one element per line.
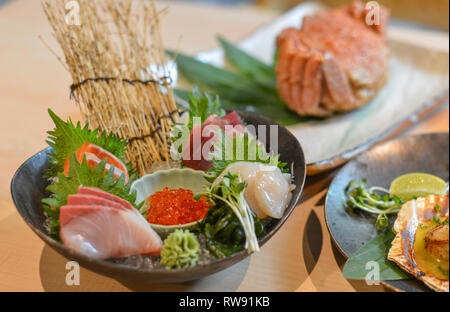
<point>233,125</point>
<point>85,199</point>
<point>233,119</point>
<point>214,120</point>
<point>102,232</point>
<point>192,153</point>
<point>100,193</point>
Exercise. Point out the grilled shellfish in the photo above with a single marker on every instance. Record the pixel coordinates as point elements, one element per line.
<point>420,246</point>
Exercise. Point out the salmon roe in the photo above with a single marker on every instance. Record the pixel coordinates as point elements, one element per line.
<point>176,206</point>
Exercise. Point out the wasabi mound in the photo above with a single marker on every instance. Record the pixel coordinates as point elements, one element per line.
<point>180,250</point>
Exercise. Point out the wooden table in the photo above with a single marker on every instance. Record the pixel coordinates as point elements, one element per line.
<point>300,257</point>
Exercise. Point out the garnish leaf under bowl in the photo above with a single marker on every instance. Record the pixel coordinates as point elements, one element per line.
<point>28,189</point>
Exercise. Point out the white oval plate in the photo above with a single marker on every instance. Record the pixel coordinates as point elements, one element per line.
<point>418,83</point>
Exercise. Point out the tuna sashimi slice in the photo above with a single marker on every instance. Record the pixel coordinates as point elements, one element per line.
<point>233,118</point>
<point>214,120</point>
<point>100,193</point>
<point>202,137</point>
<point>102,232</point>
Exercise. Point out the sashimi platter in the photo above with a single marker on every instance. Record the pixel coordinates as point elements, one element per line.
<point>143,188</point>
<point>176,168</point>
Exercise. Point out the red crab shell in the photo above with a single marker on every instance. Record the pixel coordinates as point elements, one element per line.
<point>335,62</point>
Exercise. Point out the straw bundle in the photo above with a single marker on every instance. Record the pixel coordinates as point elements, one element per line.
<point>117,62</point>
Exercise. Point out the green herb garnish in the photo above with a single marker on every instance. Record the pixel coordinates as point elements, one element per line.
<point>359,196</point>
<point>66,138</point>
<point>382,222</point>
<point>436,219</point>
<point>437,208</point>
<point>230,225</point>
<point>202,105</point>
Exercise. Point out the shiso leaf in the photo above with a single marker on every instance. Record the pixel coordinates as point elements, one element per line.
<point>202,105</point>
<point>66,138</point>
<point>375,250</point>
<point>82,174</point>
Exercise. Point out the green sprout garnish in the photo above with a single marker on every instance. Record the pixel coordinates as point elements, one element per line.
<point>382,222</point>
<point>374,200</point>
<point>230,191</point>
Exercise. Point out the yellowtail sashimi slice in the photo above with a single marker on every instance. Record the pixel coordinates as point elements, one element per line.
<point>103,232</point>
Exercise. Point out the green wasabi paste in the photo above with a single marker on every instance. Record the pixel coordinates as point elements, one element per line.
<point>180,250</point>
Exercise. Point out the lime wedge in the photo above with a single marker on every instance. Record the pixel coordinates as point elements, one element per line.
<point>412,185</point>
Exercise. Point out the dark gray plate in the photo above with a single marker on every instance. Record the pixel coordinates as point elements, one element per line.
<point>28,189</point>
<point>350,231</point>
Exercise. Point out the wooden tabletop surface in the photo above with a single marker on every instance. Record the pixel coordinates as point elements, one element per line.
<point>300,257</point>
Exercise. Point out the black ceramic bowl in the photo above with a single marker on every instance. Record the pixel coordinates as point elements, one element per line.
<point>380,166</point>
<point>28,189</point>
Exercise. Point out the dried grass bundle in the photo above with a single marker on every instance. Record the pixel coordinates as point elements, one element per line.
<point>117,62</point>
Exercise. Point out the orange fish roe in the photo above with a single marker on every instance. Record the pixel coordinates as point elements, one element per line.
<point>177,206</point>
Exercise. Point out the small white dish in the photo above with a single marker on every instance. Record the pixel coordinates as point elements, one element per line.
<point>174,178</point>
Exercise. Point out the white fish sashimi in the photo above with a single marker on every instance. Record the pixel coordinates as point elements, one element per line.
<point>104,232</point>
<point>268,191</point>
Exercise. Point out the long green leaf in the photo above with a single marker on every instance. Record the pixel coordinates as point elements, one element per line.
<point>375,250</point>
<point>281,115</point>
<point>250,66</point>
<point>207,74</point>
<point>227,84</point>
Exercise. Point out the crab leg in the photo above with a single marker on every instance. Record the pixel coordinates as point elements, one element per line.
<point>338,85</point>
<point>312,83</point>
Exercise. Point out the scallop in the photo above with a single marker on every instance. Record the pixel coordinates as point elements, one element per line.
<point>268,191</point>
<point>420,246</point>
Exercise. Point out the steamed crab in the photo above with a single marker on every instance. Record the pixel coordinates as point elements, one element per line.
<point>335,62</point>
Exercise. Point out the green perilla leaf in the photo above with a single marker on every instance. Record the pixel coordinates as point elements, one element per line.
<point>66,138</point>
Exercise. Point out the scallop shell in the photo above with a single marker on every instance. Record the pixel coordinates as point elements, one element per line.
<point>410,216</point>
